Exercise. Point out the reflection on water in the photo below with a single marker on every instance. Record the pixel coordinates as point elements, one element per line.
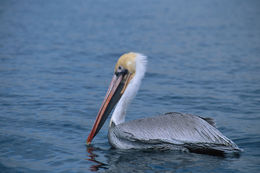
<point>92,157</point>
<point>148,160</point>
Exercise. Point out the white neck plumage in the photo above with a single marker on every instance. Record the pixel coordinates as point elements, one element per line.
<point>119,113</point>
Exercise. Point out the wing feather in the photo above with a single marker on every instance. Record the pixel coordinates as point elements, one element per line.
<point>174,128</point>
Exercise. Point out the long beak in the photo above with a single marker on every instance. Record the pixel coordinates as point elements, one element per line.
<point>114,93</point>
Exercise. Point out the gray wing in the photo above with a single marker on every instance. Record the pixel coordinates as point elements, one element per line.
<point>175,128</point>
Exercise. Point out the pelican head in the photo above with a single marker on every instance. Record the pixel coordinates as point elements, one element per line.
<point>129,70</point>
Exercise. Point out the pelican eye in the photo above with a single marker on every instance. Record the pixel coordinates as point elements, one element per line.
<point>121,70</point>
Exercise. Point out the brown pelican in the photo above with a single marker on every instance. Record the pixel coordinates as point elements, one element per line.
<point>175,131</point>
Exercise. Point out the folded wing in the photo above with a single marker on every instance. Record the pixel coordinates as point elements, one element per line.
<point>190,131</point>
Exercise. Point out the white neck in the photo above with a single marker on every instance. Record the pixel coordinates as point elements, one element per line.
<point>119,113</point>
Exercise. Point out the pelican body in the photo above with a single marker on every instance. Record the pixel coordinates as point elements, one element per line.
<point>174,131</point>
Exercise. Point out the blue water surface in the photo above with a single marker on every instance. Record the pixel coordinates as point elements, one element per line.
<point>57,59</point>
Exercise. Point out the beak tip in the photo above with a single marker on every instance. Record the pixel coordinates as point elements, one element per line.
<point>88,142</point>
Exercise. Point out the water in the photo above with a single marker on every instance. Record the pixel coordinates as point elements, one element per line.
<point>57,59</point>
